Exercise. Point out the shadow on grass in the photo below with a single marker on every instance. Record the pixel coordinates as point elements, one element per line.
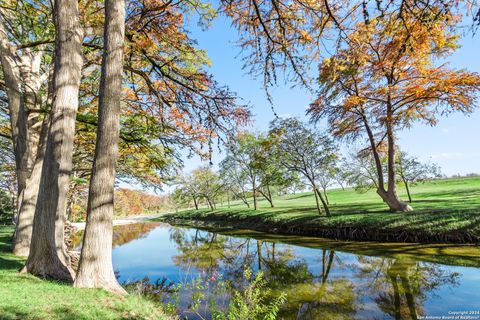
<point>5,242</point>
<point>10,264</point>
<point>58,313</point>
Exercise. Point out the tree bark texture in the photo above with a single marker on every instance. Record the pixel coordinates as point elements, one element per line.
<point>95,267</point>
<point>48,256</point>
<point>23,81</point>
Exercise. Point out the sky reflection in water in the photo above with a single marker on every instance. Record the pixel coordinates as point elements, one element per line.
<point>321,280</point>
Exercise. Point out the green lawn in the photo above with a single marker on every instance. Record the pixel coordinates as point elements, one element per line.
<point>444,211</point>
<point>26,297</point>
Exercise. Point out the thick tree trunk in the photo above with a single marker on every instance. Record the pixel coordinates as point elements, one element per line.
<point>390,196</point>
<point>18,121</point>
<point>48,256</point>
<point>95,269</point>
<point>36,144</point>
<point>394,203</point>
<point>26,213</point>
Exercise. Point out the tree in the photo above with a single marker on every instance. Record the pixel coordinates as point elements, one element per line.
<point>26,63</point>
<point>282,36</point>
<point>360,170</point>
<point>252,157</point>
<point>326,179</point>
<point>190,188</point>
<point>48,257</point>
<point>208,184</point>
<point>271,172</point>
<point>410,171</point>
<point>305,151</point>
<point>243,152</point>
<point>233,179</point>
<point>385,79</point>
<point>294,182</point>
<point>95,269</point>
<point>179,199</point>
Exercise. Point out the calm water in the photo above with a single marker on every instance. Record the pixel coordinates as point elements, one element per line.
<point>323,279</point>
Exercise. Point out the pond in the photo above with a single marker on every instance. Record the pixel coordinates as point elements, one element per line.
<point>323,279</point>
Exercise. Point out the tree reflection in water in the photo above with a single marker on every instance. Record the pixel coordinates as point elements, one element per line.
<point>122,234</point>
<point>401,286</point>
<point>397,286</point>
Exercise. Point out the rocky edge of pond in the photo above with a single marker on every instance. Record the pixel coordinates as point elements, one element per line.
<point>340,232</point>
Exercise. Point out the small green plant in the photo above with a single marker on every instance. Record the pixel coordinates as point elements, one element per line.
<point>251,304</point>
<point>214,298</point>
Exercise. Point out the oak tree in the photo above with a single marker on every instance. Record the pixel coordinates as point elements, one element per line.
<point>388,76</point>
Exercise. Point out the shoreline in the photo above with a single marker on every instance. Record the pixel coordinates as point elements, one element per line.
<point>119,222</point>
<point>350,232</point>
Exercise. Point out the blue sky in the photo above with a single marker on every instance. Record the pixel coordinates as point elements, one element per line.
<point>453,143</point>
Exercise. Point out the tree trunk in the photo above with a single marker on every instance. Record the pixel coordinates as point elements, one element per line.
<point>244,199</point>
<point>326,195</point>
<point>210,204</point>
<point>267,196</point>
<point>26,213</point>
<point>405,182</point>
<point>37,144</point>
<point>317,202</point>
<point>48,256</point>
<point>254,188</point>
<point>270,196</point>
<point>95,268</point>
<point>394,203</point>
<point>195,203</point>
<point>18,121</point>
<point>324,203</point>
<point>391,197</point>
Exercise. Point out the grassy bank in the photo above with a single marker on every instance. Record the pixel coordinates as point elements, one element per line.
<point>444,211</point>
<point>26,297</point>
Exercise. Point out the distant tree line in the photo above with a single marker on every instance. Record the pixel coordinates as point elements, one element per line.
<point>291,156</point>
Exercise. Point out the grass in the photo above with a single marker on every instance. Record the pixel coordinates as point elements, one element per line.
<point>445,210</point>
<point>23,296</point>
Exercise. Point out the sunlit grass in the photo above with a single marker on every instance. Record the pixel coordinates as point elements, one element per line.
<point>441,206</point>
<point>27,297</point>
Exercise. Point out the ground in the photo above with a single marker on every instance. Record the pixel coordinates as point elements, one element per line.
<point>26,297</point>
<point>445,210</point>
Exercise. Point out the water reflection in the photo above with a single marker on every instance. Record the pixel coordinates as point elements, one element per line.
<point>121,234</point>
<point>320,282</point>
